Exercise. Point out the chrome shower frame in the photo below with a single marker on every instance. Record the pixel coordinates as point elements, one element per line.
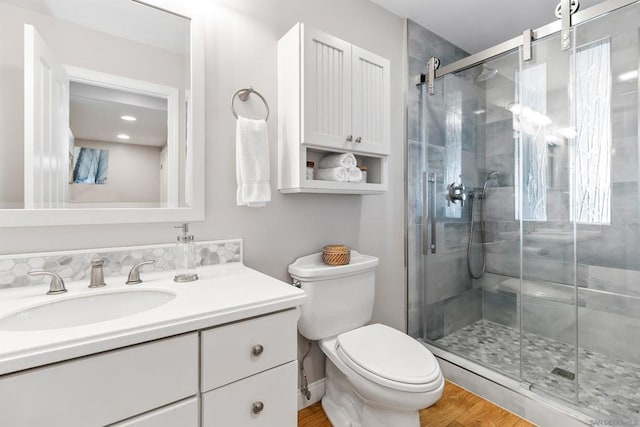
<point>525,40</point>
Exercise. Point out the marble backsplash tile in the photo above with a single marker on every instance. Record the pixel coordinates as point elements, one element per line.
<point>75,265</point>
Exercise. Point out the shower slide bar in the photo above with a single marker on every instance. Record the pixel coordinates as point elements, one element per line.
<point>527,37</point>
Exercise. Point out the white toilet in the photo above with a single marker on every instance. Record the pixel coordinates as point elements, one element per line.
<point>375,375</point>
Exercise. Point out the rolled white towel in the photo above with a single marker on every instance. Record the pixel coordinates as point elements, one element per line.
<point>345,160</point>
<point>355,175</point>
<point>333,174</point>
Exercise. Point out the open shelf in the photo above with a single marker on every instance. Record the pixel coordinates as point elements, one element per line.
<point>376,175</point>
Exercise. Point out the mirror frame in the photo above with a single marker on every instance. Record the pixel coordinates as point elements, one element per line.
<point>46,217</point>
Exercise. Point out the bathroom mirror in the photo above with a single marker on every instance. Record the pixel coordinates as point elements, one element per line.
<point>101,112</point>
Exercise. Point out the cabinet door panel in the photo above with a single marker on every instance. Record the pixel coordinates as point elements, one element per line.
<point>233,405</point>
<point>370,103</point>
<point>104,388</point>
<point>326,92</point>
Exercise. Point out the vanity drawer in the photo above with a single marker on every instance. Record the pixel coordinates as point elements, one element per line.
<point>183,414</point>
<point>228,351</point>
<point>104,388</point>
<point>233,405</point>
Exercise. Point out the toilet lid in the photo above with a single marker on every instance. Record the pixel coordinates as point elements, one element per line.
<point>389,357</point>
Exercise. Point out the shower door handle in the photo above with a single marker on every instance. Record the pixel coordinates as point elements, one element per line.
<point>428,213</point>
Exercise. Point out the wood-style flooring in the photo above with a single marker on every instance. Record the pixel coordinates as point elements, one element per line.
<point>457,408</point>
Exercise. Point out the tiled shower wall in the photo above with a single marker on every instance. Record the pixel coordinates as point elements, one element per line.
<point>75,265</point>
<point>442,298</point>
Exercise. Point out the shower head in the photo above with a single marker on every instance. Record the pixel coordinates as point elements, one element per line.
<point>493,175</point>
<point>486,74</point>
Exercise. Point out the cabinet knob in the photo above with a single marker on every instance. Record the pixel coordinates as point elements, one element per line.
<point>349,138</point>
<point>359,139</point>
<point>257,350</point>
<point>258,407</point>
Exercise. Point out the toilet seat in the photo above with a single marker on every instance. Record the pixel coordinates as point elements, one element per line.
<point>389,358</point>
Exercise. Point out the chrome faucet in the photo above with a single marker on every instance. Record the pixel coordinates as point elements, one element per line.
<point>57,284</point>
<point>134,273</point>
<point>97,274</point>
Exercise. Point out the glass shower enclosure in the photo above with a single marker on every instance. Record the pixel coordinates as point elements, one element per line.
<point>524,215</point>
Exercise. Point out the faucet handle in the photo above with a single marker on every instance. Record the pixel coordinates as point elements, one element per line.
<point>57,283</point>
<point>134,273</point>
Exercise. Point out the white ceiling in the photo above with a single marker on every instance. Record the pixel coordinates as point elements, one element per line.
<point>121,18</point>
<point>475,25</point>
<point>95,114</point>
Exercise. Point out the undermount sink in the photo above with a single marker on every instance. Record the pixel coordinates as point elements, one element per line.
<point>84,310</point>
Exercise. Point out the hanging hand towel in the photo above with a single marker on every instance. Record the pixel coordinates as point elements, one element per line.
<point>252,163</point>
<point>333,174</point>
<point>355,175</point>
<point>345,160</point>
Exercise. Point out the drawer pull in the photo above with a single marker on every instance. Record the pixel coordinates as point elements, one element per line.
<point>257,350</point>
<point>258,407</point>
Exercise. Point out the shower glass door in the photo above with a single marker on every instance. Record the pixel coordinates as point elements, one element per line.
<point>606,211</point>
<point>471,277</point>
<point>544,127</point>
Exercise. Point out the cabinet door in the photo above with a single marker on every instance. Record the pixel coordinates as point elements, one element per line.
<point>104,388</point>
<point>268,399</point>
<point>326,90</point>
<point>370,103</point>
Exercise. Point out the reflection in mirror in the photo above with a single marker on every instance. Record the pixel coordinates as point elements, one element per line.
<point>90,165</point>
<point>83,78</point>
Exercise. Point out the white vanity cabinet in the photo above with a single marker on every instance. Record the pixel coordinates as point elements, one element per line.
<point>332,97</point>
<point>242,373</point>
<point>249,372</point>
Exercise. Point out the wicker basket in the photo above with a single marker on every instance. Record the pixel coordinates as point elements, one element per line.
<point>336,255</point>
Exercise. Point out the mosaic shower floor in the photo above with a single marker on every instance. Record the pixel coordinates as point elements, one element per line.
<point>608,388</point>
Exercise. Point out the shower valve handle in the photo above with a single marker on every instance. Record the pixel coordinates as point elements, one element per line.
<point>456,192</point>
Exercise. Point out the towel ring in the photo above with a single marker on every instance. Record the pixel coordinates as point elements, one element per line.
<point>243,94</point>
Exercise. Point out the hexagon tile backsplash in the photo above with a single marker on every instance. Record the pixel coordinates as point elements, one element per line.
<point>75,265</point>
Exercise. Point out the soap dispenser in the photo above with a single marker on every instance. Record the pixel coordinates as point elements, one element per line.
<point>185,257</point>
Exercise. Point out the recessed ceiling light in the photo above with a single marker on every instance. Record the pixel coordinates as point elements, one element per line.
<point>124,136</point>
<point>478,112</point>
<point>628,76</point>
<point>128,118</point>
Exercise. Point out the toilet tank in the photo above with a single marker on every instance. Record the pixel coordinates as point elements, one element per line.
<point>339,298</point>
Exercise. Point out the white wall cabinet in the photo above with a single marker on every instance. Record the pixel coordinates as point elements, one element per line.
<point>247,372</point>
<point>332,97</point>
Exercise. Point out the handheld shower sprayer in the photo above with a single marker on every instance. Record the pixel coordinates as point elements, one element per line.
<point>493,175</point>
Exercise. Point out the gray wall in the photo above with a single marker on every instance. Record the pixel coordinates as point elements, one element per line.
<point>241,49</point>
<point>133,177</point>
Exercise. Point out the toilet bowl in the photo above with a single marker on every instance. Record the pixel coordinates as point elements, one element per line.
<point>376,376</point>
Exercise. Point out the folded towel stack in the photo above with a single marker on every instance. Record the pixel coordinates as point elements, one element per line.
<point>339,167</point>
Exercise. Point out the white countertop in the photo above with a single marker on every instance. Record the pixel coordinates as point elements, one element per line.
<point>224,293</point>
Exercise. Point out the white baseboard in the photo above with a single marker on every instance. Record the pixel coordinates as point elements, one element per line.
<point>317,391</point>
